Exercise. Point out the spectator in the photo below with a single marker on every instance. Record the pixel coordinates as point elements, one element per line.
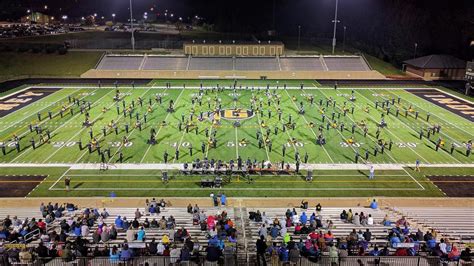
<point>367,235</point>
<point>25,256</point>
<point>333,254</point>
<point>126,253</point>
<point>304,204</point>
<point>67,254</point>
<point>466,256</point>
<point>443,247</point>
<point>41,250</point>
<point>160,248</point>
<point>263,231</point>
<point>356,219</point>
<point>294,255</point>
<point>119,222</point>
<point>223,200</point>
<point>303,218</point>
<point>152,247</point>
<point>174,254</point>
<point>318,207</point>
<point>261,249</point>
<point>141,234</point>
<point>214,253</point>
<point>130,235</point>
<point>370,220</point>
<point>190,208</point>
<point>114,255</point>
<point>375,252</point>
<point>373,204</point>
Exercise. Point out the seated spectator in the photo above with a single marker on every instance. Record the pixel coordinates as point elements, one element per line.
<point>274,232</point>
<point>114,255</point>
<point>370,220</point>
<point>119,222</point>
<point>386,221</point>
<point>374,205</point>
<point>213,253</point>
<point>126,253</point>
<point>385,251</point>
<point>263,231</point>
<point>303,218</point>
<point>160,248</point>
<point>356,219</point>
<point>174,254</point>
<point>375,252</point>
<point>318,207</point>
<point>25,256</point>
<point>304,205</point>
<point>190,208</point>
<point>402,222</point>
<point>343,215</point>
<point>403,252</point>
<point>454,254</point>
<point>367,235</point>
<point>284,253</point>
<point>165,239</point>
<point>141,234</point>
<point>466,255</point>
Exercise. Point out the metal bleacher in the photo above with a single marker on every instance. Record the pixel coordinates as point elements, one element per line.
<point>165,63</point>
<point>211,63</point>
<point>156,62</point>
<point>112,62</point>
<point>355,63</point>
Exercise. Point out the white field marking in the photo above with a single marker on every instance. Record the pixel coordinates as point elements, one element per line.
<point>36,186</point>
<point>414,179</point>
<point>181,175</point>
<point>389,155</point>
<point>390,132</point>
<point>261,131</point>
<point>159,130</point>
<point>236,144</point>
<point>156,166</point>
<point>428,139</point>
<point>182,137</point>
<point>62,125</point>
<point>241,189</point>
<point>44,120</point>
<point>100,134</point>
<point>128,136</point>
<point>57,181</point>
<point>197,87</point>
<point>446,121</point>
<point>47,105</point>
<point>311,129</point>
<point>15,92</point>
<point>79,131</point>
<point>286,131</point>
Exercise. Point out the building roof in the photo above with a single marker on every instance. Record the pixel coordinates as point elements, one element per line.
<point>437,61</point>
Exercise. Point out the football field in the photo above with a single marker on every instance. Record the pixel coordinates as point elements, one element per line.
<point>316,126</point>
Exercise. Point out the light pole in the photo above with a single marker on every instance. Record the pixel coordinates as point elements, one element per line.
<point>416,46</point>
<point>344,40</point>
<point>299,36</point>
<point>131,27</point>
<point>335,25</point>
<point>113,18</point>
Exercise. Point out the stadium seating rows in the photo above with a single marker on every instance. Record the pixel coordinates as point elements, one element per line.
<point>149,62</point>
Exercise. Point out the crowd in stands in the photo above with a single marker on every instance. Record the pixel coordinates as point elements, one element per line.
<point>310,236</point>
<point>86,234</point>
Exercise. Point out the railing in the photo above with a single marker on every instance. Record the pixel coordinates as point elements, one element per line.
<point>246,259</point>
<point>31,235</point>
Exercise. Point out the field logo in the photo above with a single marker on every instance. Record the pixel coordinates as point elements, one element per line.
<point>236,114</point>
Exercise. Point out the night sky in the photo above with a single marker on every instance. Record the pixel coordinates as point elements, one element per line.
<point>438,26</point>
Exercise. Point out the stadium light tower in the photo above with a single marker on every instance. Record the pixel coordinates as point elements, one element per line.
<point>335,25</point>
<point>131,27</point>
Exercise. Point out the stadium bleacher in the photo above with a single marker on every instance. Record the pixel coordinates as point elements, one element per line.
<point>447,221</point>
<point>165,63</point>
<point>111,62</point>
<point>353,63</point>
<point>211,63</point>
<point>155,62</point>
<point>301,64</point>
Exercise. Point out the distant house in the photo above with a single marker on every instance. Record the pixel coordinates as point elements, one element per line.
<point>436,67</point>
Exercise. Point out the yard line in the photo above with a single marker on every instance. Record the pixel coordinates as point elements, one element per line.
<point>59,179</point>
<point>390,132</point>
<point>67,122</point>
<point>158,132</point>
<point>306,121</point>
<point>414,179</point>
<point>46,120</point>
<point>238,189</point>
<point>416,133</point>
<point>103,136</point>
<point>21,120</point>
<point>182,136</point>
<point>236,143</point>
<point>286,131</point>
<point>389,155</point>
<point>446,121</point>
<point>261,131</point>
<point>128,136</point>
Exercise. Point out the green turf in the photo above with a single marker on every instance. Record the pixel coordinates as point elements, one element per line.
<point>72,64</point>
<point>402,131</point>
<point>326,183</point>
<point>383,67</point>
